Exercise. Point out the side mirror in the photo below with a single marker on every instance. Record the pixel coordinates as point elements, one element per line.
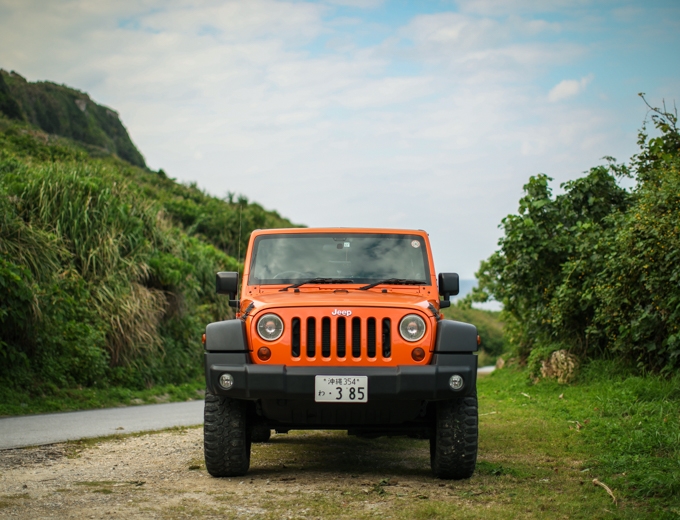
<point>448,286</point>
<point>227,283</point>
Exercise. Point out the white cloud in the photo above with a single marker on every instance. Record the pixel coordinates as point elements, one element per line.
<point>569,88</point>
<point>362,4</point>
<point>327,134</point>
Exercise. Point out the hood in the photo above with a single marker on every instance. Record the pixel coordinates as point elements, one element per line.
<point>350,298</point>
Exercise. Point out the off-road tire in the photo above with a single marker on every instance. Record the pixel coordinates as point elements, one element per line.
<point>226,439</point>
<point>453,444</point>
<point>261,431</point>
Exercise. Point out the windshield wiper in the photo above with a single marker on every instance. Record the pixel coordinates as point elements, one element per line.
<point>316,280</point>
<point>392,281</point>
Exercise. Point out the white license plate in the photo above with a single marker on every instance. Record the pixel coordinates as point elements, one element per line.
<point>341,389</point>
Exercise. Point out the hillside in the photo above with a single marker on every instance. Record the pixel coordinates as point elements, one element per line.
<point>60,110</point>
<point>106,268</point>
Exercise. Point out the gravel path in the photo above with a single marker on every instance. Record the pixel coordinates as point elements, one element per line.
<point>162,476</point>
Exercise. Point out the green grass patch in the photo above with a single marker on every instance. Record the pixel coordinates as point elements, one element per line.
<point>618,428</point>
<point>14,402</point>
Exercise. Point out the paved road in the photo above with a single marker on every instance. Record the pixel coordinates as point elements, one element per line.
<point>37,430</point>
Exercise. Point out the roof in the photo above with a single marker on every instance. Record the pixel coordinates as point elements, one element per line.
<point>339,230</point>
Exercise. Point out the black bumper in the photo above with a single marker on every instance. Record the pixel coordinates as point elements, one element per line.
<point>429,382</point>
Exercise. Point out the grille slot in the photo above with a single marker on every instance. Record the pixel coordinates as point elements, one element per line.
<point>356,337</point>
<point>326,337</point>
<point>311,337</point>
<point>295,330</point>
<point>370,337</point>
<point>342,335</point>
<point>386,338</point>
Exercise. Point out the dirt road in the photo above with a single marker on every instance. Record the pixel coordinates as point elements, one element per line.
<point>162,475</point>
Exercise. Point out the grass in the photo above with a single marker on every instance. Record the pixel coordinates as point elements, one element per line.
<point>617,428</point>
<point>13,402</point>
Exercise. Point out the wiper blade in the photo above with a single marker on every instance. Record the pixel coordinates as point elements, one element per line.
<point>393,281</point>
<point>316,280</point>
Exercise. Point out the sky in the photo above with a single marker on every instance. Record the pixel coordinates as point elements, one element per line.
<point>368,113</point>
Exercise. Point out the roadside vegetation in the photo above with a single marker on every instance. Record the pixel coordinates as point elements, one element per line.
<point>589,282</point>
<point>106,268</point>
<point>596,270</point>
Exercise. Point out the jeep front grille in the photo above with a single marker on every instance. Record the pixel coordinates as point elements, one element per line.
<point>364,337</point>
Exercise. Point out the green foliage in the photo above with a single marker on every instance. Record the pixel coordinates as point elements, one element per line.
<point>22,400</point>
<point>60,110</point>
<point>489,327</point>
<point>226,223</point>
<point>101,283</point>
<point>596,269</point>
<point>8,104</point>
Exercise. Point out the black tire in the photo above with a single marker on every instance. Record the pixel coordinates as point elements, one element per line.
<point>226,439</point>
<point>453,444</point>
<point>261,431</point>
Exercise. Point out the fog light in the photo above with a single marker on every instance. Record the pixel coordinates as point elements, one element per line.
<point>456,382</point>
<point>226,381</point>
<point>418,354</point>
<point>264,353</point>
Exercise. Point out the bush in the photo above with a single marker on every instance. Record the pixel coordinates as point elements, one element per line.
<point>596,269</point>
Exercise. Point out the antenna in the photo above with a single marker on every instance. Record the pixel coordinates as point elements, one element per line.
<point>238,257</point>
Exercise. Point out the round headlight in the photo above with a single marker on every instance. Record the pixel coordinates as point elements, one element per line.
<point>412,327</point>
<point>270,327</point>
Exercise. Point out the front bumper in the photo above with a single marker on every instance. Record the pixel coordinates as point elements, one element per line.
<point>429,382</point>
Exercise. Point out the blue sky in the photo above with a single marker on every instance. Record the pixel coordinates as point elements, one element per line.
<point>428,115</point>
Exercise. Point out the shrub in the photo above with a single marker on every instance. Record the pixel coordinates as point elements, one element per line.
<point>596,269</point>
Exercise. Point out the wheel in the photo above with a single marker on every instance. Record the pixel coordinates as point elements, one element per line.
<point>261,431</point>
<point>226,439</point>
<point>453,443</point>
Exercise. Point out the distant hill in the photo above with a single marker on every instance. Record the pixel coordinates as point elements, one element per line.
<point>64,111</point>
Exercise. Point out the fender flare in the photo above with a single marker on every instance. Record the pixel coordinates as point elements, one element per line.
<point>226,336</point>
<point>455,337</point>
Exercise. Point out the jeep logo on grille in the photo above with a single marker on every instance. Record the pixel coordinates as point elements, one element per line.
<point>337,312</point>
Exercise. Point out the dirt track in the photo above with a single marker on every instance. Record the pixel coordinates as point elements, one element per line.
<point>162,475</point>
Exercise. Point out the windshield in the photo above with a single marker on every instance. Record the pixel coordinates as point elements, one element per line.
<point>361,258</point>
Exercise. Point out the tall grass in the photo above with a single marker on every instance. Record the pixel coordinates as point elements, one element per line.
<point>109,237</point>
<point>103,287</point>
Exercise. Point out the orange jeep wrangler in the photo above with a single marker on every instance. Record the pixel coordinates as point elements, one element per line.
<point>340,329</point>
